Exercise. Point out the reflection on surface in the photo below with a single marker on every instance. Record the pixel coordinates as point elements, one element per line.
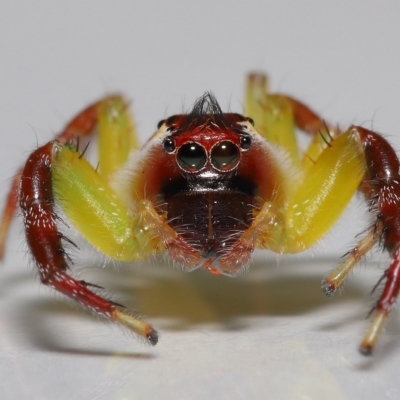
<point>177,301</point>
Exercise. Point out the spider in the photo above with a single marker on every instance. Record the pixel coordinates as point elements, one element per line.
<point>207,188</point>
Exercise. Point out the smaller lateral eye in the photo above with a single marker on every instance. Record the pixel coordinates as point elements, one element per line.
<point>169,145</point>
<point>160,123</point>
<point>251,120</point>
<point>245,142</point>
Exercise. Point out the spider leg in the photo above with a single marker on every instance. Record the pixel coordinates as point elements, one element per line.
<point>336,278</point>
<point>332,169</point>
<point>313,192</point>
<point>381,188</point>
<point>45,243</point>
<point>384,304</point>
<point>276,116</point>
<point>117,138</point>
<point>272,116</point>
<point>9,211</point>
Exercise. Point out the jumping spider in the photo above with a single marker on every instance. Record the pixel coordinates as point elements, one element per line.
<point>207,188</point>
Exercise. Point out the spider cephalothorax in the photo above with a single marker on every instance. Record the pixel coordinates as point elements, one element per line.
<point>207,189</point>
<point>216,165</point>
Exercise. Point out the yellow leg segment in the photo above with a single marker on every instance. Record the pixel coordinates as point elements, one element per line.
<point>371,337</point>
<point>277,115</point>
<point>336,278</point>
<point>117,135</point>
<point>320,198</point>
<point>96,212</point>
<point>272,115</point>
<point>317,146</point>
<point>325,192</point>
<point>137,326</point>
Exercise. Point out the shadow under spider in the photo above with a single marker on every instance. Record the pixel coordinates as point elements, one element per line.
<point>183,300</point>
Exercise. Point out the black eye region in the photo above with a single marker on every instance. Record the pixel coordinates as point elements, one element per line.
<point>245,142</point>
<point>169,145</point>
<point>225,155</point>
<point>191,157</point>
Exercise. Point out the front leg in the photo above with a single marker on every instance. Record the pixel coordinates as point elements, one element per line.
<point>358,159</point>
<point>381,187</point>
<point>36,198</point>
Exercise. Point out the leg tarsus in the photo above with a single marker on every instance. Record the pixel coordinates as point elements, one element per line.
<point>384,305</point>
<point>368,344</point>
<point>135,325</point>
<point>336,278</point>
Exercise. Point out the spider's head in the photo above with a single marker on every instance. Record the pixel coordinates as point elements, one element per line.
<point>206,139</point>
<point>208,172</point>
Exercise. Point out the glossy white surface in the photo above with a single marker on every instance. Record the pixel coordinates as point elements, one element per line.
<point>268,333</point>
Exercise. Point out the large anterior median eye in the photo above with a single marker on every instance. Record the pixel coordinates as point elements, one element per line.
<point>225,155</point>
<point>191,157</point>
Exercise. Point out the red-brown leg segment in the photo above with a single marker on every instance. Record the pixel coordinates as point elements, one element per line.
<point>9,211</point>
<point>306,119</point>
<point>381,187</point>
<point>45,243</point>
<point>385,303</point>
<point>311,123</point>
<point>85,122</point>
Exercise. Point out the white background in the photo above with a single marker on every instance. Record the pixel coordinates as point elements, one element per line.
<point>269,334</point>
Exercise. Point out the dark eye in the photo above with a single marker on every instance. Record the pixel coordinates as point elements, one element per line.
<point>159,125</point>
<point>251,120</point>
<point>169,145</point>
<point>191,157</point>
<point>245,142</point>
<point>225,155</point>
